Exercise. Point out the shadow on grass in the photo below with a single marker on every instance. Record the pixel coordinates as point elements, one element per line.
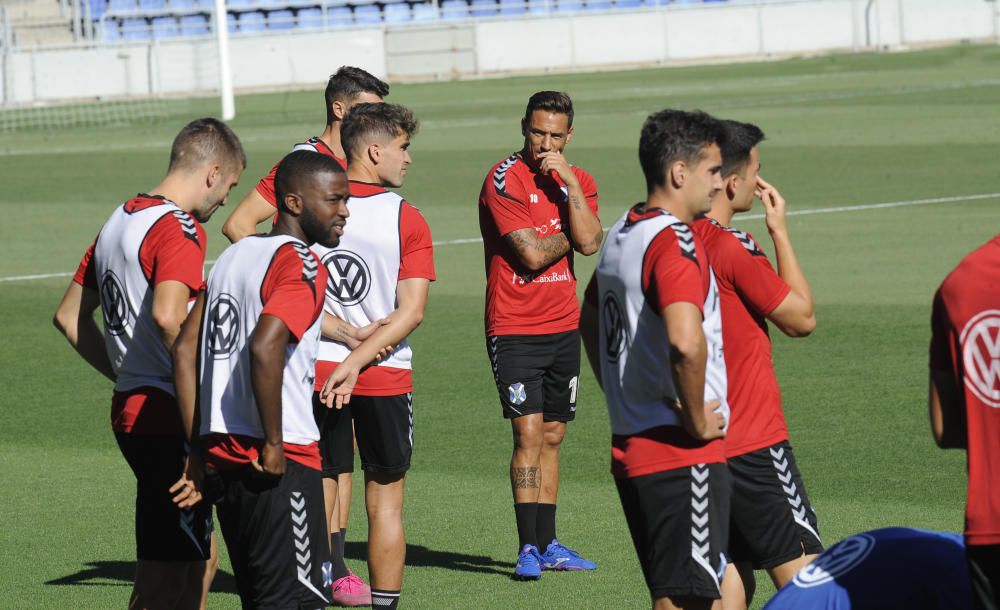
<point>422,557</point>
<point>121,574</point>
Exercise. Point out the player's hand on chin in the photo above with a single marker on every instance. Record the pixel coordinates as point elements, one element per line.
<point>339,385</point>
<point>271,460</point>
<point>552,161</point>
<point>187,489</point>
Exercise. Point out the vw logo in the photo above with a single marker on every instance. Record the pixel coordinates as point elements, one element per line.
<point>981,356</point>
<point>613,325</point>
<point>350,279</point>
<point>836,561</point>
<point>223,330</point>
<point>114,305</point>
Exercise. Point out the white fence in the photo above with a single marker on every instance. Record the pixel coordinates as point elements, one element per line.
<point>492,46</point>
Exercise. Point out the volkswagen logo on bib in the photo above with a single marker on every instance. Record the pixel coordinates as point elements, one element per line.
<point>114,305</point>
<point>223,330</point>
<point>350,278</point>
<point>613,325</point>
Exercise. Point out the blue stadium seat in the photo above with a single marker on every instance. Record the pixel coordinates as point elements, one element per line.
<point>484,8</point>
<point>136,28</point>
<point>424,11</point>
<point>598,5</point>
<point>152,6</point>
<point>339,16</point>
<point>367,14</point>
<point>181,5</point>
<point>97,8</point>
<point>252,22</point>
<point>232,23</point>
<point>513,7</point>
<point>280,20</point>
<point>194,25</point>
<point>568,6</point>
<point>122,6</point>
<point>109,30</point>
<point>239,3</point>
<point>397,13</point>
<point>310,17</point>
<point>205,4</point>
<point>539,7</point>
<point>454,9</point>
<point>165,27</point>
<point>628,3</point>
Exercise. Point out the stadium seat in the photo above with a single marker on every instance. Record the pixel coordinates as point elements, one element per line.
<point>513,7</point>
<point>122,6</point>
<point>110,30</point>
<point>165,27</point>
<point>339,16</point>
<point>152,6</point>
<point>539,7</point>
<point>424,12</point>
<point>252,22</point>
<point>280,20</point>
<point>181,5</point>
<point>239,3</point>
<point>205,4</point>
<point>97,8</point>
<point>397,13</point>
<point>484,8</point>
<point>367,14</point>
<point>454,9</point>
<point>628,3</point>
<point>232,23</point>
<point>194,25</point>
<point>568,6</point>
<point>598,5</point>
<point>136,28</point>
<point>311,17</point>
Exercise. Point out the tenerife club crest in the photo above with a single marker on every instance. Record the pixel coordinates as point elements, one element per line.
<point>613,326</point>
<point>350,279</point>
<point>981,356</point>
<point>838,560</point>
<point>114,305</point>
<point>223,330</point>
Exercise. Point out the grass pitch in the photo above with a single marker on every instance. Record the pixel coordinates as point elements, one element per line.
<point>842,131</point>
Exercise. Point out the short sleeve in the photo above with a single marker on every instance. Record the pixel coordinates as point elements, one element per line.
<point>265,188</point>
<point>416,246</point>
<point>942,335</point>
<point>508,212</point>
<point>289,291</point>
<point>174,250</point>
<point>589,187</point>
<point>86,275</point>
<point>669,276</point>
<point>744,265</point>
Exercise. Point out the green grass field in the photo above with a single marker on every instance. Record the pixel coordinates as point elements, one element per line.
<point>842,131</point>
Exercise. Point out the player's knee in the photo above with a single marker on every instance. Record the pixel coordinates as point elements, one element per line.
<point>553,438</point>
<point>528,433</point>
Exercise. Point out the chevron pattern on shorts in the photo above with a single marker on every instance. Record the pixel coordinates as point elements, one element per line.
<point>300,537</point>
<point>700,543</point>
<point>784,474</point>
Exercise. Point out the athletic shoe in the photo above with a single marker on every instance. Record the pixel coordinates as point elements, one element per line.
<point>559,557</point>
<point>528,564</point>
<point>350,590</point>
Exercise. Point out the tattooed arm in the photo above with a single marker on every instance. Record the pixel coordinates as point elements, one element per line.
<point>534,252</point>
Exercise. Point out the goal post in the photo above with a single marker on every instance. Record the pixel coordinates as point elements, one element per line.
<point>225,66</point>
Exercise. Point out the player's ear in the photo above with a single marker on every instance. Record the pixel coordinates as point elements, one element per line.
<point>374,153</point>
<point>730,186</point>
<point>569,134</point>
<point>676,174</point>
<point>214,176</point>
<point>524,126</point>
<point>293,203</point>
<point>339,109</point>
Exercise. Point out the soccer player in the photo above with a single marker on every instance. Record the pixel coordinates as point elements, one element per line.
<point>349,86</point>
<point>535,210</point>
<point>894,568</point>
<point>254,344</point>
<point>650,324</point>
<point>142,270</point>
<point>380,272</point>
<point>964,401</point>
<point>773,524</point>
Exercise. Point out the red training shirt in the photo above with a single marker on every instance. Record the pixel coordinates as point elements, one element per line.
<point>965,342</point>
<point>519,301</point>
<point>749,290</point>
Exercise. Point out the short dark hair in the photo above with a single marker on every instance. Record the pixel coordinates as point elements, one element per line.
<point>204,140</point>
<point>553,101</point>
<point>296,166</point>
<point>669,136</point>
<point>368,122</point>
<point>740,140</point>
<point>349,82</point>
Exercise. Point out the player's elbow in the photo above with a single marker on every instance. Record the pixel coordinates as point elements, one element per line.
<point>61,321</point>
<point>802,327</point>
<point>233,229</point>
<point>168,322</point>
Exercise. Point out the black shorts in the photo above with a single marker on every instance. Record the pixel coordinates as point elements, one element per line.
<point>384,429</point>
<point>984,570</point>
<point>164,532</point>
<point>679,521</point>
<point>772,520</point>
<point>336,437</point>
<point>536,374</point>
<point>275,532</point>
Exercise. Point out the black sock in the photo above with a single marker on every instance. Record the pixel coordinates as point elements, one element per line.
<point>546,526</point>
<point>337,556</point>
<point>343,539</point>
<point>385,599</point>
<point>527,517</point>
